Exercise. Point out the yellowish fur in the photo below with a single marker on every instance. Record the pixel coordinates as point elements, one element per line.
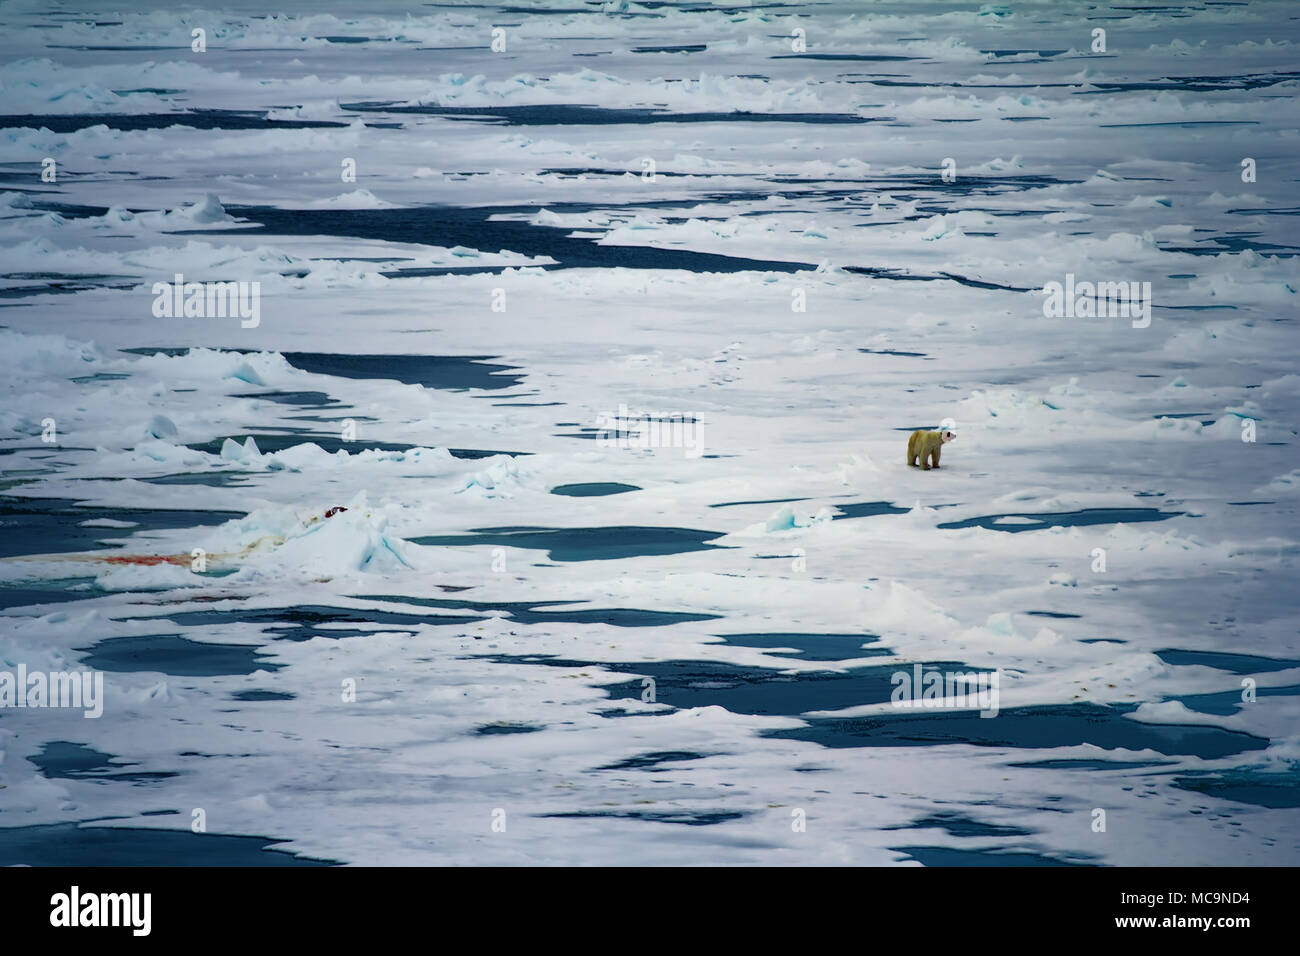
<point>926,446</point>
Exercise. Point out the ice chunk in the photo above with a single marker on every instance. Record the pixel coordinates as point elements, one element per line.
<point>785,519</point>
<point>160,426</point>
<point>204,211</point>
<point>245,454</point>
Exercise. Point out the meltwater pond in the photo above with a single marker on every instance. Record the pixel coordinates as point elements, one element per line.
<point>1037,521</point>
<point>455,372</point>
<point>305,622</point>
<point>812,647</point>
<point>304,397</point>
<point>73,761</point>
<point>964,856</point>
<point>576,115</point>
<point>1228,702</point>
<point>55,525</point>
<point>1222,660</point>
<point>584,544</point>
<point>196,119</point>
<point>690,818</point>
<point>479,228</point>
<point>567,612</point>
<point>1276,789</point>
<point>94,844</point>
<point>1028,728</point>
<point>686,684</point>
<point>593,489</point>
<point>955,824</point>
<point>175,655</point>
<point>48,591</point>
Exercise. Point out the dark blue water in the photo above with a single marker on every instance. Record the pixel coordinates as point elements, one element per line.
<point>848,57</point>
<point>57,288</point>
<point>194,119</point>
<point>49,592</point>
<point>1246,81</point>
<point>528,613</point>
<point>590,433</point>
<point>1065,519</point>
<point>594,10</point>
<point>653,762</point>
<point>681,48</point>
<point>953,856</point>
<point>894,352</point>
<point>690,818</point>
<point>53,525</point>
<point>812,647</point>
<point>308,398</point>
<point>474,227</point>
<point>1026,728</point>
<point>1236,663</point>
<point>954,824</point>
<point>489,730</point>
<point>686,684</point>
<point>304,622</point>
<point>261,695</point>
<point>566,114</point>
<point>584,544</point>
<point>1226,703</point>
<point>594,489</point>
<point>174,655</point>
<point>64,276</point>
<point>1279,789</point>
<point>424,272</point>
<point>869,509</point>
<point>71,844</point>
<point>1182,124</point>
<point>209,479</point>
<point>881,272</point>
<point>1067,763</point>
<point>62,759</point>
<point>454,372</point>
<point>1217,245</point>
<point>99,377</point>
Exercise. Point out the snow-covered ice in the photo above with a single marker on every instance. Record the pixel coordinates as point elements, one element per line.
<point>321,561</point>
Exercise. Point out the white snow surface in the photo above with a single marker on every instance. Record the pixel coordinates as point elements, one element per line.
<point>808,291</point>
